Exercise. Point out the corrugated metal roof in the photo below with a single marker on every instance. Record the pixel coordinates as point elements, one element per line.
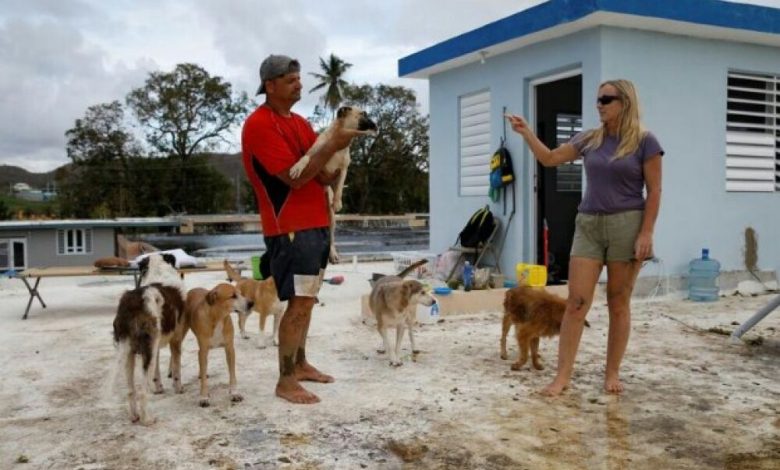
<point>555,18</point>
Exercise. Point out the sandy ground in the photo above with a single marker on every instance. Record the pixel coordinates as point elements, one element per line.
<point>693,399</point>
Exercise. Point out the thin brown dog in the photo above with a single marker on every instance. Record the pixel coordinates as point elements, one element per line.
<point>535,313</point>
<point>265,301</point>
<point>209,318</point>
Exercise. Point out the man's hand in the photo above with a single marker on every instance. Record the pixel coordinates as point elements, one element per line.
<point>327,179</point>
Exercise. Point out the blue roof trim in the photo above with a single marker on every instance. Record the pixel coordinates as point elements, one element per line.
<point>557,12</point>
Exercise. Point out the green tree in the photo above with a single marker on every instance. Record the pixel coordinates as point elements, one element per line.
<point>100,148</point>
<point>331,79</point>
<point>184,113</point>
<point>388,173</point>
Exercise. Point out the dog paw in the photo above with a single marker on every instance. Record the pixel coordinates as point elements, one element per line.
<point>517,366</point>
<point>504,356</point>
<point>245,335</point>
<point>236,397</point>
<point>337,204</point>
<point>538,366</point>
<point>148,421</point>
<point>415,351</point>
<point>204,403</point>
<point>134,418</point>
<point>380,351</point>
<point>158,389</point>
<point>396,363</point>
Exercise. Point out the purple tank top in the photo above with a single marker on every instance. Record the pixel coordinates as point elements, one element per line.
<point>614,184</point>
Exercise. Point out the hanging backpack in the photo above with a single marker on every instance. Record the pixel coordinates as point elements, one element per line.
<point>502,171</point>
<point>478,229</point>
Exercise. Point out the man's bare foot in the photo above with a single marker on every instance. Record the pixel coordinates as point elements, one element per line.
<point>308,373</point>
<point>554,389</point>
<point>289,389</point>
<point>613,385</point>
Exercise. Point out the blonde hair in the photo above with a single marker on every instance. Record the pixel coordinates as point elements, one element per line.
<point>630,130</point>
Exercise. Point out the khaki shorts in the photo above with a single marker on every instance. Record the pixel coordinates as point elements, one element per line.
<point>607,237</point>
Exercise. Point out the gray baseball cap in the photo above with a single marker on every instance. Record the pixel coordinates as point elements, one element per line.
<point>275,66</point>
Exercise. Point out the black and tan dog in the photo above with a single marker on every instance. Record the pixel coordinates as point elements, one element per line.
<point>349,120</point>
<point>265,301</point>
<point>535,313</point>
<point>393,301</point>
<point>208,314</point>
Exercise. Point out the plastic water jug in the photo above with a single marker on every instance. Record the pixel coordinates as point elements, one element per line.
<point>256,274</point>
<point>534,275</point>
<point>468,276</point>
<point>703,278</point>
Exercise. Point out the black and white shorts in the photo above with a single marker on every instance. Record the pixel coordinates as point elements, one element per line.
<point>297,261</point>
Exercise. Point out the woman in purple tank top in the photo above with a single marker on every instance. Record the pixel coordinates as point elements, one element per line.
<point>614,224</point>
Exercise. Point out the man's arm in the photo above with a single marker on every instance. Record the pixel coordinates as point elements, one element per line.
<point>318,158</point>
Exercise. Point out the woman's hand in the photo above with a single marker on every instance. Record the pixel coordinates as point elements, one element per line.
<point>518,124</point>
<point>643,246</point>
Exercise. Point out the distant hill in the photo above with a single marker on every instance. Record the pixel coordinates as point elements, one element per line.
<point>10,175</point>
<point>228,164</point>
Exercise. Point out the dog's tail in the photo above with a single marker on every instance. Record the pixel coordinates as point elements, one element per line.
<point>232,274</point>
<point>412,267</point>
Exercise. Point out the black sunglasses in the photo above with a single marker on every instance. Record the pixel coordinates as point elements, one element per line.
<point>606,99</point>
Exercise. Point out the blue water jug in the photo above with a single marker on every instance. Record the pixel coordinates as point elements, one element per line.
<point>703,278</point>
<point>468,276</point>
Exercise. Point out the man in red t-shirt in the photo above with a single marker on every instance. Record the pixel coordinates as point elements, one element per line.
<point>294,213</point>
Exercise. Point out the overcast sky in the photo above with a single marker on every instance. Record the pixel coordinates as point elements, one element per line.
<point>58,57</point>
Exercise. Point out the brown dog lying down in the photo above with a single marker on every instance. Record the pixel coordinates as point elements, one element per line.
<point>393,302</point>
<point>535,313</point>
<point>265,299</point>
<point>209,318</point>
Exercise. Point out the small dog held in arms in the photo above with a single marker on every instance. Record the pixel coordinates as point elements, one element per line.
<point>148,318</point>
<point>535,313</point>
<point>265,301</point>
<point>355,122</point>
<point>393,302</point>
<point>208,313</point>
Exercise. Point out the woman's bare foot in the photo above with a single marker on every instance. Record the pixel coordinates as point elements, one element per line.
<point>613,385</point>
<point>554,389</point>
<point>289,389</point>
<point>307,372</point>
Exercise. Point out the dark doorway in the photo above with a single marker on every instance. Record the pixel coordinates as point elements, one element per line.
<point>559,190</point>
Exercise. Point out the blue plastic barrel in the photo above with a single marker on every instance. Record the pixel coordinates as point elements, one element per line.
<point>703,278</point>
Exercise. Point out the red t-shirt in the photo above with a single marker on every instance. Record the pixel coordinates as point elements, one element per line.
<point>271,144</point>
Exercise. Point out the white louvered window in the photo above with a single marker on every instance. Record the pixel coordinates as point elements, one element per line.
<point>753,133</point>
<point>76,241</point>
<point>568,177</point>
<point>475,150</point>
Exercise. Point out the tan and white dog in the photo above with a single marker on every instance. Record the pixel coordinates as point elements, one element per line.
<point>393,301</point>
<point>208,313</point>
<point>349,120</point>
<point>265,301</point>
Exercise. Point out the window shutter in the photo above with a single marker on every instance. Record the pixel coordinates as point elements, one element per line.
<point>88,240</point>
<point>60,242</point>
<point>475,149</point>
<point>752,133</point>
<point>568,177</point>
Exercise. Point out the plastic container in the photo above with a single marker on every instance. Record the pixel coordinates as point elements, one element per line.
<point>534,275</point>
<point>435,312</point>
<point>256,274</point>
<point>468,276</point>
<point>703,278</point>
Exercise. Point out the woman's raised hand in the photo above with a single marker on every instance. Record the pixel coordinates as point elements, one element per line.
<point>518,124</point>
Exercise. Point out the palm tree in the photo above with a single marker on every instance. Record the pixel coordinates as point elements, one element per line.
<point>331,80</point>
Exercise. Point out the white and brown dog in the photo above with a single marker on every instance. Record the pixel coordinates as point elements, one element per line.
<point>265,301</point>
<point>393,301</point>
<point>208,313</point>
<point>148,318</point>
<point>349,120</point>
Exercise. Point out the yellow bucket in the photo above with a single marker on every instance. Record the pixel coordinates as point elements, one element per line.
<point>534,275</point>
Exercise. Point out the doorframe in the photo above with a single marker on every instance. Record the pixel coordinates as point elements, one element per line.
<point>532,176</point>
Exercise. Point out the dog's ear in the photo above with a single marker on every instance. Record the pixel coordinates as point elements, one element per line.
<point>343,111</point>
<point>212,297</point>
<point>169,258</point>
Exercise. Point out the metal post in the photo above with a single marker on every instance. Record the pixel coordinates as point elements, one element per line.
<point>757,317</point>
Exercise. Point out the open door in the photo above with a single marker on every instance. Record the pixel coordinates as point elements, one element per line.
<point>559,190</point>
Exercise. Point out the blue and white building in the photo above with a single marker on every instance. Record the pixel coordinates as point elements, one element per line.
<point>708,77</point>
